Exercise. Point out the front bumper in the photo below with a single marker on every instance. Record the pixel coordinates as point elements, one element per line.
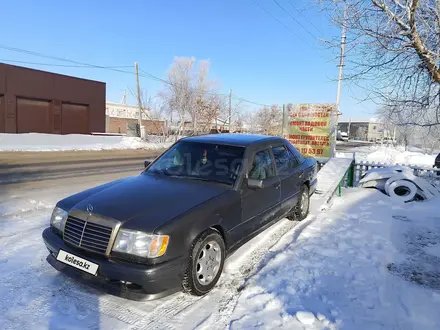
<point>146,282</point>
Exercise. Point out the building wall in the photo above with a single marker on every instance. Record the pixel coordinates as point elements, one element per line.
<point>119,110</point>
<point>44,102</point>
<point>119,125</point>
<point>375,132</point>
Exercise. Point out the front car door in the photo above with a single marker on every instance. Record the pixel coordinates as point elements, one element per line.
<point>260,205</point>
<point>290,174</point>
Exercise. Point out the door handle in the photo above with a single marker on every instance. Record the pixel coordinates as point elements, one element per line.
<point>277,185</point>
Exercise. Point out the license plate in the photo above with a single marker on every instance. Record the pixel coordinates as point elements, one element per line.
<point>77,262</point>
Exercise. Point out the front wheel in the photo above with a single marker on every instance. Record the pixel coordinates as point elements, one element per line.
<point>301,210</point>
<point>205,264</point>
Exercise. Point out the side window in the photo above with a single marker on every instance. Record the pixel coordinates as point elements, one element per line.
<point>284,159</point>
<point>262,166</point>
<point>297,154</point>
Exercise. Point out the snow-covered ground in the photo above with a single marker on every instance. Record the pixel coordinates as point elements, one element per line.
<point>394,155</point>
<point>55,142</point>
<point>365,263</point>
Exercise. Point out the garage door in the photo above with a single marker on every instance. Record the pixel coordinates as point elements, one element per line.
<point>74,119</point>
<point>2,114</point>
<point>33,116</point>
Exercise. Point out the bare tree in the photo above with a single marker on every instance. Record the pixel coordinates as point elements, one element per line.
<point>430,138</point>
<point>247,121</point>
<point>393,51</point>
<point>178,93</point>
<point>209,109</point>
<point>405,135</point>
<point>269,120</point>
<point>361,133</point>
<point>190,94</point>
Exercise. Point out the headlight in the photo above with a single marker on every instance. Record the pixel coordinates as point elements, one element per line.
<point>140,244</point>
<point>58,218</point>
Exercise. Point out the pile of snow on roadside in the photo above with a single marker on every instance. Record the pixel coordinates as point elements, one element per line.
<point>394,155</point>
<point>55,142</point>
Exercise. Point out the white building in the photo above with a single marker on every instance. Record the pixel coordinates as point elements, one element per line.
<point>123,118</point>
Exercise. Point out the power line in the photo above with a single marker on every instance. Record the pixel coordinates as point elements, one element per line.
<point>155,77</point>
<point>88,65</point>
<point>293,17</point>
<point>280,22</point>
<point>62,65</point>
<point>239,98</point>
<point>209,93</point>
<point>24,51</point>
<point>300,12</point>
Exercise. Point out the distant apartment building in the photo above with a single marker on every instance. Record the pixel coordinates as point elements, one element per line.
<point>123,119</point>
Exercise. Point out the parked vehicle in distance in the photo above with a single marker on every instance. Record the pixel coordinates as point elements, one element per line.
<point>344,136</point>
<point>172,226</point>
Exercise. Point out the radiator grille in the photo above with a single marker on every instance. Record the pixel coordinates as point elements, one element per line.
<point>87,235</point>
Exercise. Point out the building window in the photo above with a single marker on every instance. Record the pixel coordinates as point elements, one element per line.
<point>374,127</point>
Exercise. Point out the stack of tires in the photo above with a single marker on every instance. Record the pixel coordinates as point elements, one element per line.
<point>399,183</point>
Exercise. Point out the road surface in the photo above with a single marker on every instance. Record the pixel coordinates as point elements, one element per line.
<point>23,167</point>
<point>351,145</point>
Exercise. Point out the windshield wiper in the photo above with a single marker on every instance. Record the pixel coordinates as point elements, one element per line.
<point>163,171</point>
<point>203,179</point>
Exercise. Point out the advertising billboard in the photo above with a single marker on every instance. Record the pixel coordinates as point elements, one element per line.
<point>308,128</point>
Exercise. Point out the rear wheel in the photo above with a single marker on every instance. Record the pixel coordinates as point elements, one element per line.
<point>205,264</point>
<point>301,210</point>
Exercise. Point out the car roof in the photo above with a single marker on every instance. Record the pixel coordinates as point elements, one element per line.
<point>233,139</point>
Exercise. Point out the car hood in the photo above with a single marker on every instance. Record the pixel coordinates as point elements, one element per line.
<point>145,202</point>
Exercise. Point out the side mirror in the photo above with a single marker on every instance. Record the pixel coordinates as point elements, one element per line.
<point>146,163</point>
<point>252,183</point>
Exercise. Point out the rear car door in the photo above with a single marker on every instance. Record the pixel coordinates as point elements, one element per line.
<point>260,205</point>
<point>290,174</point>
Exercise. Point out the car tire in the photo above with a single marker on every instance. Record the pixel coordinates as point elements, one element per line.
<point>301,210</point>
<point>202,274</point>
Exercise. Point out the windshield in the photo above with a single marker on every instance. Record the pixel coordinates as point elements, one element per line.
<point>200,161</point>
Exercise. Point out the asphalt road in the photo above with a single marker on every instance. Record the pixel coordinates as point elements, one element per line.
<point>29,167</point>
<point>350,145</point>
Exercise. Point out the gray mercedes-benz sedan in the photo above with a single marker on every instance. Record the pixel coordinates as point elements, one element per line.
<point>172,226</point>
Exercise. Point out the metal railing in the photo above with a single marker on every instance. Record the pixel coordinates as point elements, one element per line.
<point>360,168</point>
<point>422,171</point>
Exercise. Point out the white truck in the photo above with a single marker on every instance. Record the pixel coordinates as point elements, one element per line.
<point>343,136</point>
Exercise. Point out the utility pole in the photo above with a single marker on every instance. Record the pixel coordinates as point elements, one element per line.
<point>349,126</point>
<point>283,122</point>
<point>138,89</point>
<point>340,76</point>
<point>230,110</point>
<point>124,97</point>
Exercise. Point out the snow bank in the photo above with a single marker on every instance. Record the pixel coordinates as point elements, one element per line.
<point>394,155</point>
<point>365,264</point>
<point>54,142</point>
